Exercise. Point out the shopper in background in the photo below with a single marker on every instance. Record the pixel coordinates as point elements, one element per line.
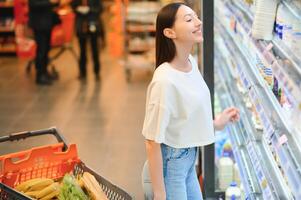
<point>42,18</point>
<point>178,116</point>
<point>89,27</point>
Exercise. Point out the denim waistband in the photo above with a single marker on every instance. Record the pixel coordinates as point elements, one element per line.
<point>165,146</point>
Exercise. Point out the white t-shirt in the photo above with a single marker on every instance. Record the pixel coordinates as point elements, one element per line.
<point>178,108</point>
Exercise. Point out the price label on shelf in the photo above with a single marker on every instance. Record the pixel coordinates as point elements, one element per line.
<point>243,77</point>
<point>291,90</point>
<point>267,49</point>
<point>259,172</point>
<point>251,152</point>
<point>253,95</point>
<point>267,126</point>
<point>282,140</point>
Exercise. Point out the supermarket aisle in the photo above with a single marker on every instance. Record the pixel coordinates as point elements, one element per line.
<point>103,119</point>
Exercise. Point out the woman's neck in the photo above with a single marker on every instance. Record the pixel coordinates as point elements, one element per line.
<point>181,59</point>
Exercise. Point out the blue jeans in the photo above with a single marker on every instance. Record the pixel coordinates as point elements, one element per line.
<point>180,178</point>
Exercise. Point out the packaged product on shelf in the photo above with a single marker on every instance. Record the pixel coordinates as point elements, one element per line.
<point>288,28</point>
<point>276,90</point>
<point>249,1</point>
<point>279,21</point>
<point>268,76</point>
<point>242,192</point>
<point>264,19</point>
<point>284,25</point>
<point>256,119</point>
<point>286,104</point>
<point>259,65</point>
<point>6,23</point>
<point>236,176</point>
<point>227,148</point>
<point>233,192</point>
<point>225,171</point>
<point>144,12</point>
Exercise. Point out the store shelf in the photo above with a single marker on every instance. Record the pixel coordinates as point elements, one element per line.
<point>258,81</point>
<point>7,30</point>
<point>140,28</point>
<point>7,50</point>
<point>272,118</point>
<point>138,61</point>
<point>293,8</point>
<point>266,170</point>
<point>289,76</point>
<point>139,49</point>
<point>247,172</point>
<point>7,4</point>
<point>139,36</point>
<point>287,53</point>
<point>243,7</point>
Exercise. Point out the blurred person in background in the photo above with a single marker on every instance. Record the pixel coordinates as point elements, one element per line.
<point>42,18</point>
<point>89,26</point>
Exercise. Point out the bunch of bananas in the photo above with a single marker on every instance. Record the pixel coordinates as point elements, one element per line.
<point>40,188</point>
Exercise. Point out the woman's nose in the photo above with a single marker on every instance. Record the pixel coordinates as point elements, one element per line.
<point>198,22</point>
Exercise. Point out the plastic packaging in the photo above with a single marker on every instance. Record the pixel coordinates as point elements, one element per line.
<point>264,19</point>
<point>227,148</point>
<point>233,192</point>
<point>279,21</point>
<point>243,193</point>
<point>225,171</point>
<point>236,176</point>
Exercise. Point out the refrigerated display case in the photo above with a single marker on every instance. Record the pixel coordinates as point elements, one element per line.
<point>262,78</point>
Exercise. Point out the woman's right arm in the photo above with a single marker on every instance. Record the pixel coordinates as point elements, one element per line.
<point>154,157</point>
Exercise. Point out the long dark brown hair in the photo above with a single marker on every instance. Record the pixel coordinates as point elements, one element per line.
<point>165,47</point>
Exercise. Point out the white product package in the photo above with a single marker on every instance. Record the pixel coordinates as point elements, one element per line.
<point>264,19</point>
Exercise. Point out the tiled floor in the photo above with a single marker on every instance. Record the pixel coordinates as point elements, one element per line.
<point>104,119</point>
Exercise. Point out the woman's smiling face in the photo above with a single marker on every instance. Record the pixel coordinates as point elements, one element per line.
<point>187,26</point>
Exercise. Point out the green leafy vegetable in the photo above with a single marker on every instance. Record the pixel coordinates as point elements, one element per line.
<point>70,190</point>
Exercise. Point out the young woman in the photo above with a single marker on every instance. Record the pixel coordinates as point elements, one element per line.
<point>178,116</point>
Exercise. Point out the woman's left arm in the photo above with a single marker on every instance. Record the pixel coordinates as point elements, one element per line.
<point>230,114</point>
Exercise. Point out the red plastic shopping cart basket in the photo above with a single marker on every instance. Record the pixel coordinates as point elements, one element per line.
<point>50,161</point>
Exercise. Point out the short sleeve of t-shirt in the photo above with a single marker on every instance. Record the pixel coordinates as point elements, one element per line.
<point>157,113</point>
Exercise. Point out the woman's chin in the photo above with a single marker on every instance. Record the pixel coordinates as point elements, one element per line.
<point>199,39</point>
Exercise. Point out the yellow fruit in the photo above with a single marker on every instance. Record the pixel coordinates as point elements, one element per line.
<point>80,182</point>
<point>23,187</point>
<point>39,185</point>
<point>51,195</point>
<point>48,190</point>
<point>32,194</point>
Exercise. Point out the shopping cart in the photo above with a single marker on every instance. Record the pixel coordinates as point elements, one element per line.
<point>50,161</point>
<point>61,35</point>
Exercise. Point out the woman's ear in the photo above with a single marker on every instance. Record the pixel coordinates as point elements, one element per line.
<point>169,33</point>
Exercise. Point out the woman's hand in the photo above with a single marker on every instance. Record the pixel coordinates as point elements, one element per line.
<point>228,115</point>
<point>161,196</point>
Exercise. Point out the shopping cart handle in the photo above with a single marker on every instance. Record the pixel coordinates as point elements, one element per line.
<point>27,134</point>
